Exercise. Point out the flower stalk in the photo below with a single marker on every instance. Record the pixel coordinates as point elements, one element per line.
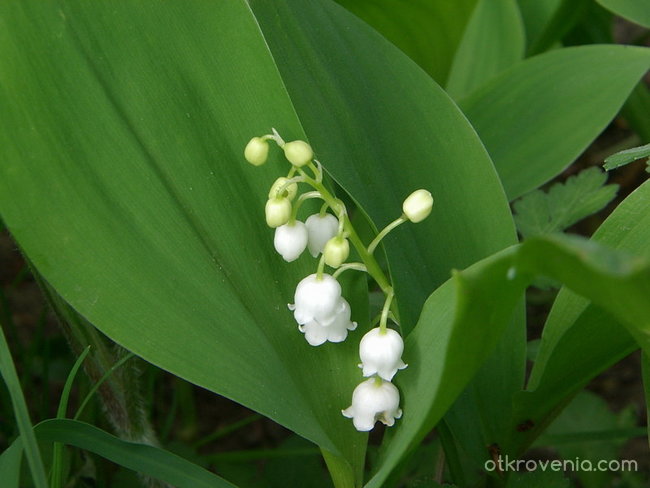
<point>322,314</point>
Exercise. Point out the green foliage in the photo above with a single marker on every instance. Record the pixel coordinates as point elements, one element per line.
<point>627,156</point>
<point>428,31</point>
<point>122,179</point>
<point>10,462</point>
<point>576,325</point>
<point>541,213</point>
<point>633,10</point>
<point>462,321</point>
<point>588,430</point>
<point>10,459</point>
<point>493,40</point>
<point>143,458</point>
<point>538,116</point>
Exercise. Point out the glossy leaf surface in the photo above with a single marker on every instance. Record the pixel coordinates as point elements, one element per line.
<point>462,321</point>
<point>123,130</point>
<point>537,117</point>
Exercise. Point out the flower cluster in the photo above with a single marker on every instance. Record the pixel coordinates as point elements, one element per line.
<point>321,312</point>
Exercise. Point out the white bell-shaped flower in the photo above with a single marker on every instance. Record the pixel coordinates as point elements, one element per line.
<point>316,334</point>
<point>373,400</point>
<point>320,230</point>
<point>381,353</point>
<point>317,299</point>
<point>290,240</point>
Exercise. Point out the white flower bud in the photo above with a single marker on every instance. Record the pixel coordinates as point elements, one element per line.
<point>381,353</point>
<point>256,151</point>
<point>278,212</point>
<point>336,251</point>
<point>289,191</point>
<point>316,299</point>
<point>417,205</point>
<point>320,230</point>
<point>316,334</point>
<point>373,400</point>
<point>299,153</point>
<point>290,240</point>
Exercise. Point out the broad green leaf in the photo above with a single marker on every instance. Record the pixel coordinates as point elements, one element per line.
<point>537,117</point>
<point>9,461</point>
<point>412,152</point>
<point>636,111</point>
<point>627,156</point>
<point>462,321</point>
<point>541,213</point>
<point>580,339</point>
<point>143,458</point>
<point>494,40</point>
<point>564,15</point>
<point>480,416</point>
<point>123,130</point>
<point>636,11</point>
<point>536,15</point>
<point>125,126</point>
<point>428,31</point>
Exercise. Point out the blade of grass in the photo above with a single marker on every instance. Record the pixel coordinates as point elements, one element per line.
<point>8,370</point>
<point>258,454</point>
<point>143,458</point>
<point>56,473</point>
<point>228,429</point>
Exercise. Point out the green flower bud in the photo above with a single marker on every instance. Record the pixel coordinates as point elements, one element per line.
<point>289,191</point>
<point>278,211</point>
<point>256,152</point>
<point>336,251</point>
<point>417,205</point>
<point>299,153</point>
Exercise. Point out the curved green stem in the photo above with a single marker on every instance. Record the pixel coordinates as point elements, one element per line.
<point>299,202</point>
<point>321,267</point>
<point>290,181</point>
<point>368,259</point>
<point>384,312</point>
<point>375,242</point>
<point>323,209</point>
<point>346,266</point>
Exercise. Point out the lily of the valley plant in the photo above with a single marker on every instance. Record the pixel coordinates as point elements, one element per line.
<point>322,314</point>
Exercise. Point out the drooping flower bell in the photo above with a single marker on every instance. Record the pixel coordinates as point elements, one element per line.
<point>277,211</point>
<point>381,353</point>
<point>290,240</point>
<point>373,400</point>
<point>320,228</point>
<point>256,151</point>
<point>316,334</point>
<point>317,299</point>
<point>336,251</point>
